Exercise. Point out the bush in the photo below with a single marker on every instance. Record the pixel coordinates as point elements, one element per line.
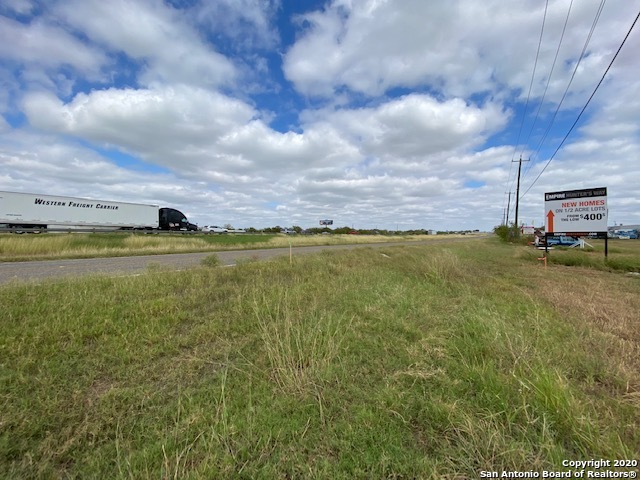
<point>507,233</point>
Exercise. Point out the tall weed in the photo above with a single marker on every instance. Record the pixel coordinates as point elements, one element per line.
<point>302,341</point>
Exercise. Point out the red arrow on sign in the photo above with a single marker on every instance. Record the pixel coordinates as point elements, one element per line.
<point>550,217</point>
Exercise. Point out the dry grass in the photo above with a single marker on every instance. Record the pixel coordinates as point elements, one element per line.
<point>85,245</point>
<point>309,240</point>
<point>609,304</point>
<point>157,242</point>
<point>301,345</point>
<point>606,303</point>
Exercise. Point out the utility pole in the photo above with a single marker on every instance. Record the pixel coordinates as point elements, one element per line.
<point>518,189</point>
<point>508,207</point>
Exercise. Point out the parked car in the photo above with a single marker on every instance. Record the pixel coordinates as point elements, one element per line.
<point>562,241</point>
<point>626,234</point>
<point>213,229</point>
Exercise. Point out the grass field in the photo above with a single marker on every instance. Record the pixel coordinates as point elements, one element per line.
<point>88,245</point>
<point>430,361</point>
<point>622,255</point>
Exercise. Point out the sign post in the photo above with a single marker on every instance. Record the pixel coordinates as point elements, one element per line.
<point>577,213</point>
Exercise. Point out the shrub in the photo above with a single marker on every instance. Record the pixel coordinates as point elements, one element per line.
<point>507,233</point>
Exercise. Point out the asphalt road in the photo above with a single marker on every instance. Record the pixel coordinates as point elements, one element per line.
<point>46,269</point>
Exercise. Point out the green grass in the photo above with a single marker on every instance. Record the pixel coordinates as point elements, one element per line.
<point>211,261</point>
<point>399,362</point>
<point>88,245</point>
<point>623,255</point>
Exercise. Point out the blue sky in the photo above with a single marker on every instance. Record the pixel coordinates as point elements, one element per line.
<point>374,113</point>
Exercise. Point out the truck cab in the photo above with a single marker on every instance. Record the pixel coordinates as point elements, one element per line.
<point>172,219</point>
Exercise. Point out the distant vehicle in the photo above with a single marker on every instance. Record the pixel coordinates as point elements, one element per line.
<point>288,231</point>
<point>34,211</point>
<point>213,229</point>
<point>237,230</point>
<point>626,234</point>
<point>561,241</point>
<point>172,219</point>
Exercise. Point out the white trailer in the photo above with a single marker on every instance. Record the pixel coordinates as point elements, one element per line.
<point>33,210</point>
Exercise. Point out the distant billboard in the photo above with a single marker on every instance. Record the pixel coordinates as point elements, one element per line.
<point>326,222</point>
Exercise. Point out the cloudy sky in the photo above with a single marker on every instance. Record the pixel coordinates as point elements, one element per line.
<point>374,113</point>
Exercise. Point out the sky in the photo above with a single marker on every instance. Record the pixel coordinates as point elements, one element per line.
<point>389,114</point>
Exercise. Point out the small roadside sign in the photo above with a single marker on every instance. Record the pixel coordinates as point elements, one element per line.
<point>576,213</point>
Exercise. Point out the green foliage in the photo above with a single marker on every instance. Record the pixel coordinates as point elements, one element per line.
<point>342,230</point>
<point>507,233</point>
<point>276,229</point>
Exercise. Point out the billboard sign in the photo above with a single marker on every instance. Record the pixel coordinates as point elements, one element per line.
<point>576,213</point>
<point>326,222</point>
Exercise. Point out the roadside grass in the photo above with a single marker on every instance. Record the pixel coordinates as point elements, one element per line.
<point>87,245</point>
<point>431,361</point>
<point>623,255</point>
<point>211,261</point>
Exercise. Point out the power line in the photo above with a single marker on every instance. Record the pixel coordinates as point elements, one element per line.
<point>553,65</point>
<point>533,74</point>
<point>575,70</point>
<point>564,95</point>
<point>586,104</point>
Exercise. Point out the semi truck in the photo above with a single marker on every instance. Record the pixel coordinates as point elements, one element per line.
<point>35,211</point>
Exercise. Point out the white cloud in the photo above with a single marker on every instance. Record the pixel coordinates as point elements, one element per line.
<point>154,34</point>
<point>458,48</point>
<point>21,7</point>
<point>166,124</point>
<point>47,46</point>
<point>246,23</point>
<point>418,125</point>
<point>193,130</point>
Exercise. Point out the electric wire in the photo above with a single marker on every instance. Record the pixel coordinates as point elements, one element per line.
<point>546,88</point>
<point>533,73</point>
<point>582,54</point>
<point>586,104</point>
<point>575,70</point>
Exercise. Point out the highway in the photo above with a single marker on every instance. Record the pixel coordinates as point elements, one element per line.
<point>35,271</point>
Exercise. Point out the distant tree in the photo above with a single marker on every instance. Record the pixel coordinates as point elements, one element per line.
<point>297,229</point>
<point>228,226</point>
